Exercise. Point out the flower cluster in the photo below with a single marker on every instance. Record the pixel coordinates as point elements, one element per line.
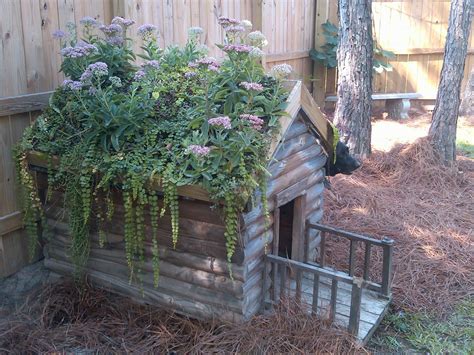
<point>95,69</point>
<point>226,21</point>
<point>256,53</point>
<point>151,64</point>
<point>237,48</point>
<point>210,63</point>
<point>125,23</point>
<point>235,29</point>
<point>115,81</point>
<point>89,21</point>
<point>194,32</point>
<point>222,121</point>
<point>199,150</point>
<point>147,31</point>
<point>146,68</point>
<point>81,49</point>
<point>190,74</point>
<point>111,30</point>
<point>246,24</point>
<point>255,121</point>
<point>72,85</point>
<point>281,71</point>
<point>139,75</point>
<point>113,33</point>
<point>257,39</point>
<point>58,34</point>
<point>251,86</point>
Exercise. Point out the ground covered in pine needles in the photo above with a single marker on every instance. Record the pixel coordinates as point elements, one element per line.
<point>63,317</point>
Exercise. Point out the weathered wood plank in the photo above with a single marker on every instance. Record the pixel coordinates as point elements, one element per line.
<point>146,294</point>
<point>290,193</point>
<point>167,285</point>
<point>194,261</point>
<point>11,222</point>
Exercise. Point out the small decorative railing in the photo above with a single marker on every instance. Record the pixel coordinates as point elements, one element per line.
<point>278,269</point>
<point>387,249</point>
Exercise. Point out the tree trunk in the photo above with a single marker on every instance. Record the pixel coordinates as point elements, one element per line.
<point>354,84</point>
<point>442,131</point>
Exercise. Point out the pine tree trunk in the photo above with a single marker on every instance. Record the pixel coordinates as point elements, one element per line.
<point>354,84</point>
<point>442,131</point>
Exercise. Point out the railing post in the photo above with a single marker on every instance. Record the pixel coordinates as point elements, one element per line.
<point>306,243</point>
<point>367,260</point>
<point>352,252</point>
<point>356,296</point>
<point>387,265</point>
<point>322,250</point>
<point>332,308</point>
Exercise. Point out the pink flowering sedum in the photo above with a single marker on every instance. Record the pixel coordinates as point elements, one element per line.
<point>124,22</point>
<point>227,21</point>
<point>89,21</point>
<point>147,31</point>
<point>111,30</point>
<point>199,150</point>
<point>222,121</point>
<point>81,49</point>
<point>251,86</point>
<point>255,121</point>
<point>237,48</point>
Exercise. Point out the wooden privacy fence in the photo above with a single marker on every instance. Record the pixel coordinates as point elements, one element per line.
<point>415,30</point>
<point>30,62</point>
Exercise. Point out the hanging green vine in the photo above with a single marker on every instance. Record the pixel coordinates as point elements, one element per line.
<point>178,119</point>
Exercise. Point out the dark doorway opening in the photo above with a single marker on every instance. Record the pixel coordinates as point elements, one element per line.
<point>286,230</point>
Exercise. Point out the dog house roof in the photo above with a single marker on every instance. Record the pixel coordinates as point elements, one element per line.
<point>300,102</point>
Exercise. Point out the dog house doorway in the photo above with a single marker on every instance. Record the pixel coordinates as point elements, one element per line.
<point>290,228</point>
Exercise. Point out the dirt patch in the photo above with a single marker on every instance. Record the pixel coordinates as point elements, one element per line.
<point>15,290</point>
<point>64,317</point>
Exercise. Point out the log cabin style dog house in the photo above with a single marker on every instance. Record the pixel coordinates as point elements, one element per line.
<point>194,276</point>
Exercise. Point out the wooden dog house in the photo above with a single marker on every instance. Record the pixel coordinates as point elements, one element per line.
<point>194,277</point>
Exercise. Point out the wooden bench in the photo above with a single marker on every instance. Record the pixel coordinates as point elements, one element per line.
<point>397,104</point>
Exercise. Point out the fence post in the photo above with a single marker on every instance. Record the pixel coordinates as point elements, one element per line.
<point>387,265</point>
<point>356,296</point>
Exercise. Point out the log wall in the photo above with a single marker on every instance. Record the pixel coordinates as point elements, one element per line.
<point>194,277</point>
<point>298,166</point>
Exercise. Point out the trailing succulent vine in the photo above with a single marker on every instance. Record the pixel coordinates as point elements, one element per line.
<point>122,132</point>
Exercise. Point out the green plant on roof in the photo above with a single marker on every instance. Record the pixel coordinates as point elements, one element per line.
<point>179,118</point>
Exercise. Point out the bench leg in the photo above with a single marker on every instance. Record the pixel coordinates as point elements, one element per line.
<point>397,108</point>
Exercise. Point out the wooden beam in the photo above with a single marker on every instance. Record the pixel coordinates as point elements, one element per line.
<point>294,105</point>
<point>405,51</point>
<point>40,159</point>
<point>298,232</point>
<point>24,103</point>
<point>318,119</point>
<point>11,222</point>
<point>278,57</point>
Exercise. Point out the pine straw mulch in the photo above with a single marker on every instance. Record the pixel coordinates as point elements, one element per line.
<point>65,318</point>
<point>428,209</point>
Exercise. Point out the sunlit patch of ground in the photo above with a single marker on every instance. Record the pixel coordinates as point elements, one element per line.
<point>387,133</point>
